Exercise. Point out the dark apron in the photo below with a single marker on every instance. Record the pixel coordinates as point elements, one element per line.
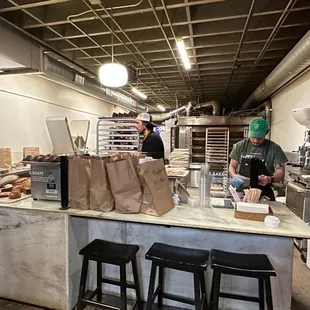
<point>251,167</point>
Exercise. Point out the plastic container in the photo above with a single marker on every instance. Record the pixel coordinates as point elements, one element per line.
<point>272,221</point>
<point>194,202</point>
<point>204,186</point>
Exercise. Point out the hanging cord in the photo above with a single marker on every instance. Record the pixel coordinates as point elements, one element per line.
<point>112,38</point>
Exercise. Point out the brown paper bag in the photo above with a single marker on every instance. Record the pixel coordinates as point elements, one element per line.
<point>101,198</point>
<point>125,186</point>
<point>157,197</point>
<point>79,182</point>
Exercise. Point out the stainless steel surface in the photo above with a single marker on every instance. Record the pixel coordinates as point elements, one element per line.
<point>297,174</point>
<point>160,117</point>
<point>182,137</point>
<point>111,137</point>
<point>214,121</point>
<point>45,181</point>
<point>214,104</point>
<point>194,177</point>
<point>237,130</point>
<point>217,148</point>
<point>298,201</point>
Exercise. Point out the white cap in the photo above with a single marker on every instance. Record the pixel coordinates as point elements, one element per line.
<point>145,117</point>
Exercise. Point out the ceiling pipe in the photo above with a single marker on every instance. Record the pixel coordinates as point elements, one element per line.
<point>156,77</point>
<point>274,32</point>
<point>160,117</point>
<point>244,32</point>
<point>296,61</point>
<point>50,48</point>
<point>168,42</point>
<point>127,6</point>
<point>70,19</point>
<point>214,104</point>
<point>191,106</point>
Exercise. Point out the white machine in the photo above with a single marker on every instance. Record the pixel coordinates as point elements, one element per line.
<point>302,116</point>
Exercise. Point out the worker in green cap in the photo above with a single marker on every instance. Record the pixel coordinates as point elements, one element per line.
<point>269,155</point>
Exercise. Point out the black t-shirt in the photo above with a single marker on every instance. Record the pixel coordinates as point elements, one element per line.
<point>153,146</point>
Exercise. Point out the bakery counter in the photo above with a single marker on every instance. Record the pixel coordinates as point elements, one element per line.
<point>220,219</point>
<point>40,263</point>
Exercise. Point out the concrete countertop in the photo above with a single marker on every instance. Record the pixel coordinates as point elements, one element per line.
<point>185,216</point>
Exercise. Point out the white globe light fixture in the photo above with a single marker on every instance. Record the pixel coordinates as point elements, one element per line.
<point>113,75</point>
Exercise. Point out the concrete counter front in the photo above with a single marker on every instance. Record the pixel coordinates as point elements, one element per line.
<point>40,263</point>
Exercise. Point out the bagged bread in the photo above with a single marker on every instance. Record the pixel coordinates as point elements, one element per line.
<point>157,197</point>
<point>79,182</point>
<point>101,197</point>
<point>125,185</point>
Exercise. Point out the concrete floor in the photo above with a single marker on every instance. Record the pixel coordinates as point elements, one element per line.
<point>300,301</point>
<point>301,284</point>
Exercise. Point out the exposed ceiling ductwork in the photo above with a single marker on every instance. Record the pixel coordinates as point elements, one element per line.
<point>60,73</point>
<point>160,117</point>
<point>20,56</point>
<point>296,61</point>
<point>189,108</point>
<point>23,56</point>
<point>214,104</point>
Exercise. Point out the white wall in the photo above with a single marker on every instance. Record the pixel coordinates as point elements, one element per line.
<point>284,129</point>
<point>25,102</point>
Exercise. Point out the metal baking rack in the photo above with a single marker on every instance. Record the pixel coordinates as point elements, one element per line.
<point>217,151</point>
<point>117,134</point>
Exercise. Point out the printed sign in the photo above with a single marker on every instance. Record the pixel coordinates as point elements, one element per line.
<point>31,150</point>
<point>5,157</point>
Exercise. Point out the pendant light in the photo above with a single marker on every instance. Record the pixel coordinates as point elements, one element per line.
<point>113,74</point>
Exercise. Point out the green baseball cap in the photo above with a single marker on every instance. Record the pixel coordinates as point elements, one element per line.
<point>258,128</point>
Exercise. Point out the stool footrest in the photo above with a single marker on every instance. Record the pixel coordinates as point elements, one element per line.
<point>117,282</point>
<point>181,299</point>
<point>98,304</point>
<point>239,297</point>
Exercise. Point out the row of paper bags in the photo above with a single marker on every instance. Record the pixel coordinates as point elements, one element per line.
<point>120,183</point>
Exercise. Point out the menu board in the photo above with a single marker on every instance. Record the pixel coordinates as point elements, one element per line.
<point>5,157</point>
<point>31,150</point>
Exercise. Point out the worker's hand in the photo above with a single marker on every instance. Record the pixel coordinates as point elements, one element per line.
<point>264,180</point>
<point>236,182</point>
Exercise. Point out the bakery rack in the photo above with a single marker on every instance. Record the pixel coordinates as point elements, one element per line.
<point>217,151</point>
<point>117,134</point>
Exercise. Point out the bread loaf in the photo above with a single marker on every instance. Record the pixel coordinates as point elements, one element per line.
<point>15,195</point>
<point>9,179</point>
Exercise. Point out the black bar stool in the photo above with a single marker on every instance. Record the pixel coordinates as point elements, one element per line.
<point>245,265</point>
<point>184,259</point>
<point>104,252</point>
